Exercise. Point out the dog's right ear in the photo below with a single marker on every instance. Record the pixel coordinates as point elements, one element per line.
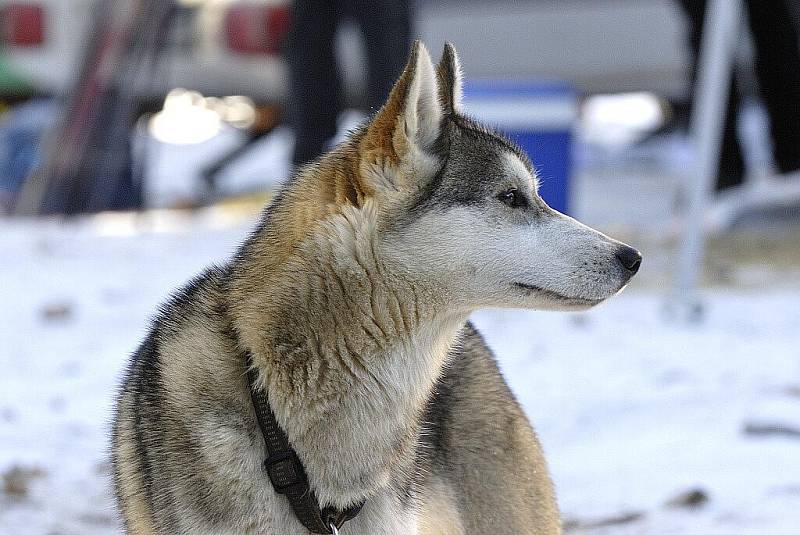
<point>397,149</point>
<point>448,73</point>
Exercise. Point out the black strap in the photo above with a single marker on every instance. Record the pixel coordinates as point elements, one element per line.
<point>285,470</point>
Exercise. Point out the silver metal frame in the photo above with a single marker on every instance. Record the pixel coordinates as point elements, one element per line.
<point>718,47</point>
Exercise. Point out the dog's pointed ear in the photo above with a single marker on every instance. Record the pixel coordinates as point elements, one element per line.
<point>448,72</point>
<point>398,146</point>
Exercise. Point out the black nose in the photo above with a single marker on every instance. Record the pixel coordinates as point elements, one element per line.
<point>630,258</point>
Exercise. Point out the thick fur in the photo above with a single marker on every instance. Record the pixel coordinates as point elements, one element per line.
<point>353,295</point>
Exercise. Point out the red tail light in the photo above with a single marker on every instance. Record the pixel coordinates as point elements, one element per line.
<point>256,29</point>
<point>22,25</point>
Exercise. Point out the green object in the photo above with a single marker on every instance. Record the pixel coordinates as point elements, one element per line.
<point>11,82</point>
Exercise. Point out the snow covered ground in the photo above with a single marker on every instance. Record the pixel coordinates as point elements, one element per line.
<point>632,410</point>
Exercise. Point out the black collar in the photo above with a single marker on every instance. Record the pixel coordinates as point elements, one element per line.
<point>286,472</point>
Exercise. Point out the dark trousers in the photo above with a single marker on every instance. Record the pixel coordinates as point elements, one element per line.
<point>777,63</point>
<point>316,97</point>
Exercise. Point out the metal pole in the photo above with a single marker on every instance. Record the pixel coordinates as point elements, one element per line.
<point>723,21</point>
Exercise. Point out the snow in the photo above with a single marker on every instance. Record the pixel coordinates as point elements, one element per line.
<point>631,409</point>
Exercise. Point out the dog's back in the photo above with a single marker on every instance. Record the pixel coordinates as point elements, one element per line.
<point>183,393</point>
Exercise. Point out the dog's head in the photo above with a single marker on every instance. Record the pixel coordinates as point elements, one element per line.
<point>457,204</point>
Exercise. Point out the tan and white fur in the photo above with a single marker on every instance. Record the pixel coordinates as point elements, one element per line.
<point>353,296</point>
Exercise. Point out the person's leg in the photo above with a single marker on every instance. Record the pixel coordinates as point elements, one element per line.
<point>315,92</point>
<point>778,68</point>
<point>386,26</point>
<point>731,163</point>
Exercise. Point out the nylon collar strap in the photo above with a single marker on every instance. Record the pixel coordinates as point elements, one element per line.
<point>286,472</point>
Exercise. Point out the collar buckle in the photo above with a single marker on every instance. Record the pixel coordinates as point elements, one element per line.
<point>285,471</point>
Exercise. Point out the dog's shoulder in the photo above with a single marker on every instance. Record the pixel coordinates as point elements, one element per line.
<point>478,438</point>
<point>471,384</point>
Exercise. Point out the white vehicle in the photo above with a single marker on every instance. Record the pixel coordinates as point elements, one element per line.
<point>227,47</point>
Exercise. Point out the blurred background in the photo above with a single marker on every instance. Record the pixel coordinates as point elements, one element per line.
<point>139,140</point>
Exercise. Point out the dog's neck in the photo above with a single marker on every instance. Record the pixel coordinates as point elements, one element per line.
<point>348,347</point>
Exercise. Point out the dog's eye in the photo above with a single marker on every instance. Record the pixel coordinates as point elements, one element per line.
<point>513,198</point>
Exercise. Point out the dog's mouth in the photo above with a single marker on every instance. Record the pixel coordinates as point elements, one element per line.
<point>555,296</point>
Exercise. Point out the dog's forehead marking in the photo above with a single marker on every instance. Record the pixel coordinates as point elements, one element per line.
<point>516,168</point>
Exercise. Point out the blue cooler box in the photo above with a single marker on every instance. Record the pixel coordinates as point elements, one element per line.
<point>539,116</point>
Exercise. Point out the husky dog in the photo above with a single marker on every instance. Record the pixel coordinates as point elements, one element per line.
<point>352,297</point>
